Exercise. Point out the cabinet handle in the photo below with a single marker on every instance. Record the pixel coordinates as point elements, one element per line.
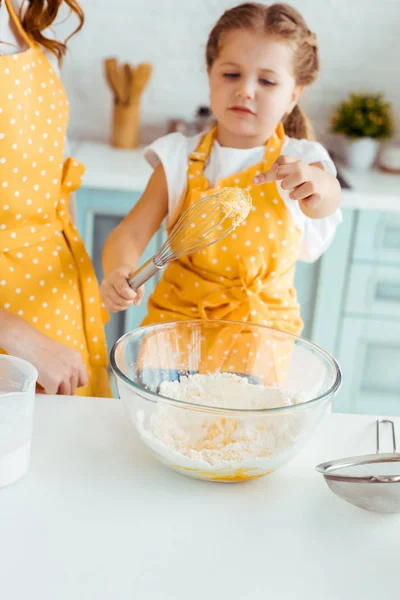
<point>385,227</point>
<point>387,291</point>
<point>380,233</point>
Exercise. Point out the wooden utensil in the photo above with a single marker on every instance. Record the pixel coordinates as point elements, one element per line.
<point>114,79</point>
<point>139,81</point>
<point>127,83</point>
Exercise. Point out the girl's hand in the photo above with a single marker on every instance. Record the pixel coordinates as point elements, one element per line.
<point>309,184</point>
<point>116,293</point>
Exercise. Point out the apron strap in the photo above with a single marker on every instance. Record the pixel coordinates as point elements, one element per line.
<point>274,144</point>
<point>203,150</point>
<point>18,25</point>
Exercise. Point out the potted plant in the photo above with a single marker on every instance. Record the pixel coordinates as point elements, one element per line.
<point>362,120</point>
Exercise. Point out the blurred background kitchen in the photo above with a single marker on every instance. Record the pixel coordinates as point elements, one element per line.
<point>358,43</point>
<point>350,298</point>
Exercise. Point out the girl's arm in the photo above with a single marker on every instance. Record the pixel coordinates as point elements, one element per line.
<point>127,242</point>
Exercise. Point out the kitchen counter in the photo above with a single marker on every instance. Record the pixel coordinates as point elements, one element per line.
<point>97,518</point>
<point>127,170</point>
<point>111,168</point>
<point>371,190</point>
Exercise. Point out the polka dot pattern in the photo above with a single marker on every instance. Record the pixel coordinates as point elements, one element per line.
<point>47,276</point>
<point>248,276</point>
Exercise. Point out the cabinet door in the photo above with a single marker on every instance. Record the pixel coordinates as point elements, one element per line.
<point>305,283</point>
<point>91,202</point>
<point>374,289</point>
<point>98,213</point>
<point>320,287</point>
<point>378,237</point>
<point>369,357</point>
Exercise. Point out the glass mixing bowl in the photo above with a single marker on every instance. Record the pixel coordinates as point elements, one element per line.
<point>222,400</point>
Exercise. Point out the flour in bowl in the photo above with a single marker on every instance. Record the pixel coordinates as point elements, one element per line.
<point>212,439</point>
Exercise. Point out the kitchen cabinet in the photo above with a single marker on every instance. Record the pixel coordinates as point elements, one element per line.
<point>369,350</point>
<point>98,212</point>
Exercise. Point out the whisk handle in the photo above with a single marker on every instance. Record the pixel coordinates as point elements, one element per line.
<point>146,271</point>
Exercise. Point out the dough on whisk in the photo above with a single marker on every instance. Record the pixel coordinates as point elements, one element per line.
<point>236,203</point>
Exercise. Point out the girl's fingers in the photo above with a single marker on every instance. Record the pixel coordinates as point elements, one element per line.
<point>115,300</point>
<point>281,168</point>
<point>139,296</point>
<point>123,289</point>
<point>303,191</point>
<point>312,201</point>
<point>293,181</point>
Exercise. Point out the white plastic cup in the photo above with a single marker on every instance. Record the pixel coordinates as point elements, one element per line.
<point>17,397</point>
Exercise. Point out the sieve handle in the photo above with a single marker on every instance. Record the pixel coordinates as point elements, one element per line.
<point>378,422</point>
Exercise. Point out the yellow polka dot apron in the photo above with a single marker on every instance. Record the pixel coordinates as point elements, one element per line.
<point>247,277</point>
<point>46,276</point>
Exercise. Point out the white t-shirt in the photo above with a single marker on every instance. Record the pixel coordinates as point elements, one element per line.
<point>173,151</point>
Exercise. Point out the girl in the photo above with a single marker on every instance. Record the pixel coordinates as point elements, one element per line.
<point>50,308</point>
<point>259,61</point>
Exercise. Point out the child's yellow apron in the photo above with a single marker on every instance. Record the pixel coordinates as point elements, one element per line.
<point>248,276</point>
<point>46,276</point>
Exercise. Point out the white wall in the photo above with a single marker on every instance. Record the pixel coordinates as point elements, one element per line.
<point>359,45</point>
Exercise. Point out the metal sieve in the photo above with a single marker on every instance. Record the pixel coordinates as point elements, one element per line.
<point>372,481</point>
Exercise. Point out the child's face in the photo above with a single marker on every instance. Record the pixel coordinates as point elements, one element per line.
<point>252,86</point>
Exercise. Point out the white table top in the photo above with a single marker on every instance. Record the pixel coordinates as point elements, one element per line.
<point>97,518</point>
<point>127,170</point>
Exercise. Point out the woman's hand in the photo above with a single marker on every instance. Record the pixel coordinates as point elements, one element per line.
<point>61,369</point>
<point>317,192</point>
<point>116,293</point>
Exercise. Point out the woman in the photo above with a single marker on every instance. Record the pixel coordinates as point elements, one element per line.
<point>50,308</point>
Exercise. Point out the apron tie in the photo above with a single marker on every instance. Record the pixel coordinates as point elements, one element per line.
<point>34,235</point>
<point>71,180</point>
<point>240,301</point>
<point>72,175</point>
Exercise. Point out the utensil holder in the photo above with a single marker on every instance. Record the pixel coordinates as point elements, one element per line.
<point>126,126</point>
